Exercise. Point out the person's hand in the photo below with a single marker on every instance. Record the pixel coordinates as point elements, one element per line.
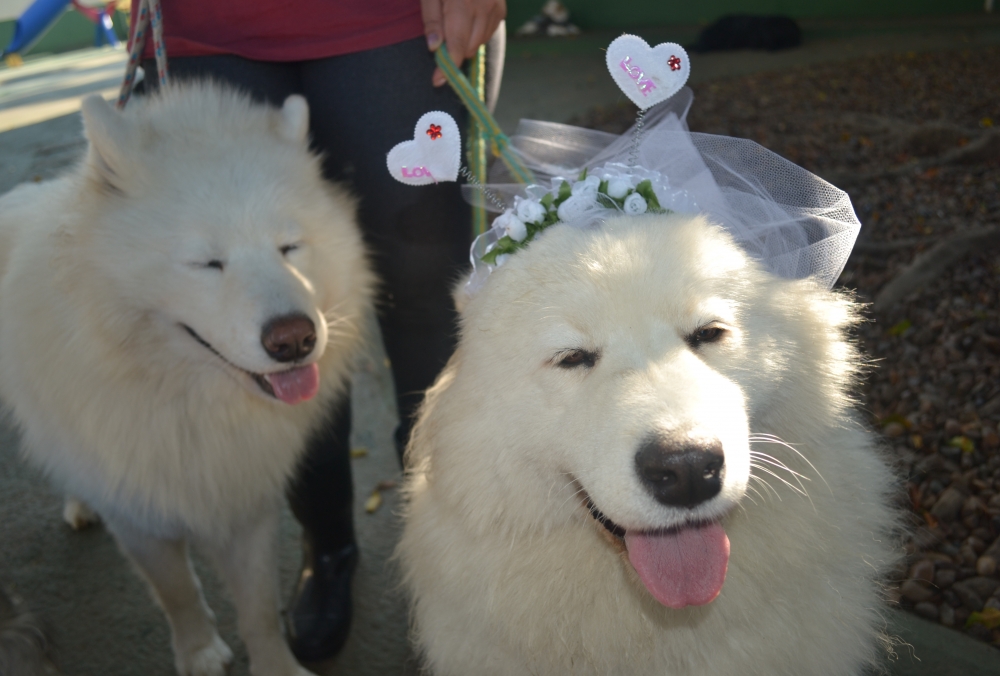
<point>463,25</point>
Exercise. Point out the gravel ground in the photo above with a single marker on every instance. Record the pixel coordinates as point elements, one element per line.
<point>912,139</point>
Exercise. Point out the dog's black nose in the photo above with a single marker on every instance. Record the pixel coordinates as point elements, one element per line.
<point>289,337</point>
<point>681,473</point>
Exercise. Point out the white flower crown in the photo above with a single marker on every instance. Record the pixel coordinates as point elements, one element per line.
<point>614,187</point>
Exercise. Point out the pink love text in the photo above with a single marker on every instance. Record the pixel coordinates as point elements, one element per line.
<point>417,172</point>
<point>644,84</point>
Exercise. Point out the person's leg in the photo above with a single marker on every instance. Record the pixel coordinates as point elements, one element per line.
<point>263,80</point>
<point>363,104</point>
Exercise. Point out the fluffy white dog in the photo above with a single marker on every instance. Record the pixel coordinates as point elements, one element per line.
<point>642,459</point>
<point>176,315</point>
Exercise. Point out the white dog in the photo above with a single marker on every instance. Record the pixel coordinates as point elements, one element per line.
<point>601,482</point>
<point>176,315</point>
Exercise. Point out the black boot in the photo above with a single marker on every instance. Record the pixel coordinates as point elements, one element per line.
<point>318,618</point>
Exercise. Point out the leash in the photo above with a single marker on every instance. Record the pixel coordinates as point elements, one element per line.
<point>149,13</point>
<point>497,141</point>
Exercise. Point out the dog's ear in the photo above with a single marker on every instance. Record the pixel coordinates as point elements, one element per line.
<point>293,124</point>
<point>109,133</point>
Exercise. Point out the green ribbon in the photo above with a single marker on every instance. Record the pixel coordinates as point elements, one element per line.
<point>498,142</point>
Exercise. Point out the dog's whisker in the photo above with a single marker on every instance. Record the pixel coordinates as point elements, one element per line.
<point>766,485</point>
<point>772,439</point>
<point>774,462</point>
<point>792,486</point>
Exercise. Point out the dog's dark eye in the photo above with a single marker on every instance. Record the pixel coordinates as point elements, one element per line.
<point>288,248</point>
<point>576,358</point>
<point>706,334</point>
<point>215,263</point>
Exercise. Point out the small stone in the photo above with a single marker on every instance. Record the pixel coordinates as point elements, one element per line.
<point>970,599</point>
<point>952,427</point>
<point>928,610</point>
<point>993,603</point>
<point>994,549</point>
<point>948,504</point>
<point>976,544</point>
<point>990,438</point>
<point>983,586</point>
<point>979,632</point>
<point>917,592</point>
<point>968,555</point>
<point>944,578</point>
<point>893,430</point>
<point>922,570</point>
<point>946,614</point>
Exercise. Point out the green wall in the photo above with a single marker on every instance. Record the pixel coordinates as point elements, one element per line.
<point>639,13</point>
<point>71,31</point>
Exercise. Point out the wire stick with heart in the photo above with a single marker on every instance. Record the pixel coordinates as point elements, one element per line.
<point>647,75</point>
<point>434,155</point>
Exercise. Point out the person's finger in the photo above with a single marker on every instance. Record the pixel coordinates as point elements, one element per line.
<point>457,29</point>
<point>433,16</point>
<point>480,33</point>
<point>438,78</point>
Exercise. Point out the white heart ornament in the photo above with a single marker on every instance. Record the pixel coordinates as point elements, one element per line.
<point>647,75</point>
<point>433,155</point>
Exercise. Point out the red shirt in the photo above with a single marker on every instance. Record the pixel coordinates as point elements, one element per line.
<point>284,30</point>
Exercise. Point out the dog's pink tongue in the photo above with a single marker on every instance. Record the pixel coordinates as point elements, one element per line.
<point>685,567</point>
<point>296,385</point>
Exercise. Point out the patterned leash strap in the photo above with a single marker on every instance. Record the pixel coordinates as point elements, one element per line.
<point>140,31</point>
<point>477,143</point>
<point>498,142</point>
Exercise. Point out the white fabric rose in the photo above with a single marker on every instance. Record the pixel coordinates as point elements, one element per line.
<point>530,211</point>
<point>587,187</point>
<point>512,226</point>
<point>635,205</point>
<point>574,207</point>
<point>618,187</point>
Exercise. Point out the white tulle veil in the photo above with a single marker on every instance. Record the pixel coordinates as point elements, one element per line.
<point>796,223</point>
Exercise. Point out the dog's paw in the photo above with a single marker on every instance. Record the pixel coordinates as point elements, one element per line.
<point>78,515</point>
<point>211,660</point>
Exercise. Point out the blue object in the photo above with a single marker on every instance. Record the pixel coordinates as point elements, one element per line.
<point>104,32</point>
<point>34,22</point>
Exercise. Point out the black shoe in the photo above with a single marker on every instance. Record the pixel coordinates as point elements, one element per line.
<point>319,616</point>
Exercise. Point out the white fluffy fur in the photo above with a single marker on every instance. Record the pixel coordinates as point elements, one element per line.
<point>117,402</point>
<point>508,571</point>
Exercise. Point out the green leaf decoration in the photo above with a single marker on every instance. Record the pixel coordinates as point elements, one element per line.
<point>505,245</point>
<point>583,174</point>
<point>645,188</point>
<point>564,192</point>
<point>547,201</point>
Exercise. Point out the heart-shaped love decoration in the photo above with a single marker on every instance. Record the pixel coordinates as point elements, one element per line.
<point>647,75</point>
<point>433,155</point>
